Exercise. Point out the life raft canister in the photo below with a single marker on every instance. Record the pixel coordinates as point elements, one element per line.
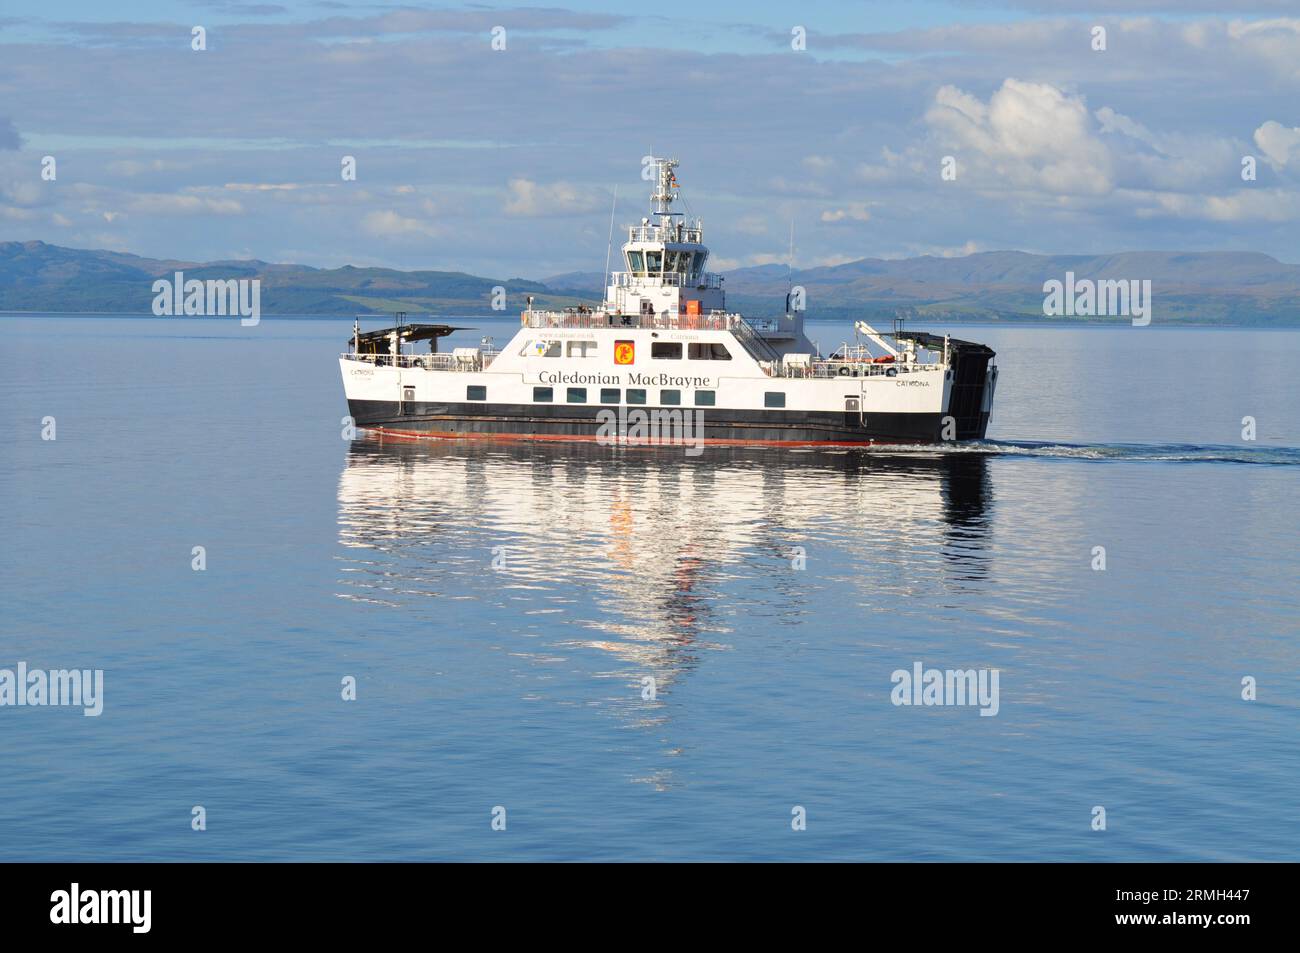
<point>843,371</point>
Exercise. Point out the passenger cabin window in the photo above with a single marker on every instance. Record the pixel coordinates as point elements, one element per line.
<point>705,398</point>
<point>541,349</point>
<point>582,349</point>
<point>476,392</point>
<point>577,395</point>
<point>543,395</point>
<point>636,395</point>
<point>709,351</point>
<point>609,395</point>
<point>670,398</point>
<point>774,398</point>
<point>666,350</point>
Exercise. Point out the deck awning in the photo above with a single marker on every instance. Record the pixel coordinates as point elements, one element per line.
<point>935,342</point>
<point>380,342</point>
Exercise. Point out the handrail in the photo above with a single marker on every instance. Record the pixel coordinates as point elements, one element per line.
<point>660,233</point>
<point>663,320</point>
<point>848,369</point>
<point>429,362</point>
<point>758,348</point>
<point>667,279</point>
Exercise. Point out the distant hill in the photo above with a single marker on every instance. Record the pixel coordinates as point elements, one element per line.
<point>1211,288</point>
<point>1229,288</point>
<point>35,276</point>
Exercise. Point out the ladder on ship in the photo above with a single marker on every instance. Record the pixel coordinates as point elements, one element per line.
<point>758,348</point>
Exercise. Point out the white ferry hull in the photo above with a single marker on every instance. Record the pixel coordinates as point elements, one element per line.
<point>889,405</point>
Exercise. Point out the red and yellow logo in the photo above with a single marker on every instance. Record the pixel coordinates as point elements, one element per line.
<point>624,352</point>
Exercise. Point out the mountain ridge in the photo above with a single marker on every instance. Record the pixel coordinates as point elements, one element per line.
<point>1232,288</point>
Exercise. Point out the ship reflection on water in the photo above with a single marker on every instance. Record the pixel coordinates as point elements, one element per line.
<point>635,562</point>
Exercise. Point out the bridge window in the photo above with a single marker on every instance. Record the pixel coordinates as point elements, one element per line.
<point>654,261</point>
<point>670,398</point>
<point>666,350</point>
<point>709,351</point>
<point>706,398</point>
<point>543,395</point>
<point>774,398</point>
<point>582,349</point>
<point>476,392</point>
<point>577,395</point>
<point>636,263</point>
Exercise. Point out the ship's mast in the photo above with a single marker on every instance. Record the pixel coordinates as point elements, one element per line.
<point>661,199</point>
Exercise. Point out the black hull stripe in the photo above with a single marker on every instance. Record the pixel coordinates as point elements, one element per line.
<point>581,422</point>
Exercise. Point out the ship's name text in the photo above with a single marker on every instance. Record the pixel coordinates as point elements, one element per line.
<point>634,379</point>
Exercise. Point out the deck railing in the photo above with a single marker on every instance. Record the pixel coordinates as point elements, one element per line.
<point>669,235</point>
<point>821,368</point>
<point>660,321</point>
<point>846,369</point>
<point>428,362</point>
<point>667,279</point>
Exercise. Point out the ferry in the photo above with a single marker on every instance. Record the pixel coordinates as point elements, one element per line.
<point>663,348</point>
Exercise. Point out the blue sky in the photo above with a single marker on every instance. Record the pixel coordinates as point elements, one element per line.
<point>504,162</point>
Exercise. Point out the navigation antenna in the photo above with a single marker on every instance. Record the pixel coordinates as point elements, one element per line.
<point>610,247</point>
<point>789,272</point>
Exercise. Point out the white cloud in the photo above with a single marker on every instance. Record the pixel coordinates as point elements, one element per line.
<point>1028,136</point>
<point>1179,162</point>
<point>150,203</point>
<point>1247,205</point>
<point>1278,143</point>
<point>753,225</point>
<point>24,192</point>
<point>526,198</point>
<point>389,224</point>
<point>1274,42</point>
<point>261,186</point>
<point>132,167</point>
<point>854,211</point>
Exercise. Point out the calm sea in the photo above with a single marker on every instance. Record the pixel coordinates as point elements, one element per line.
<point>521,686</point>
